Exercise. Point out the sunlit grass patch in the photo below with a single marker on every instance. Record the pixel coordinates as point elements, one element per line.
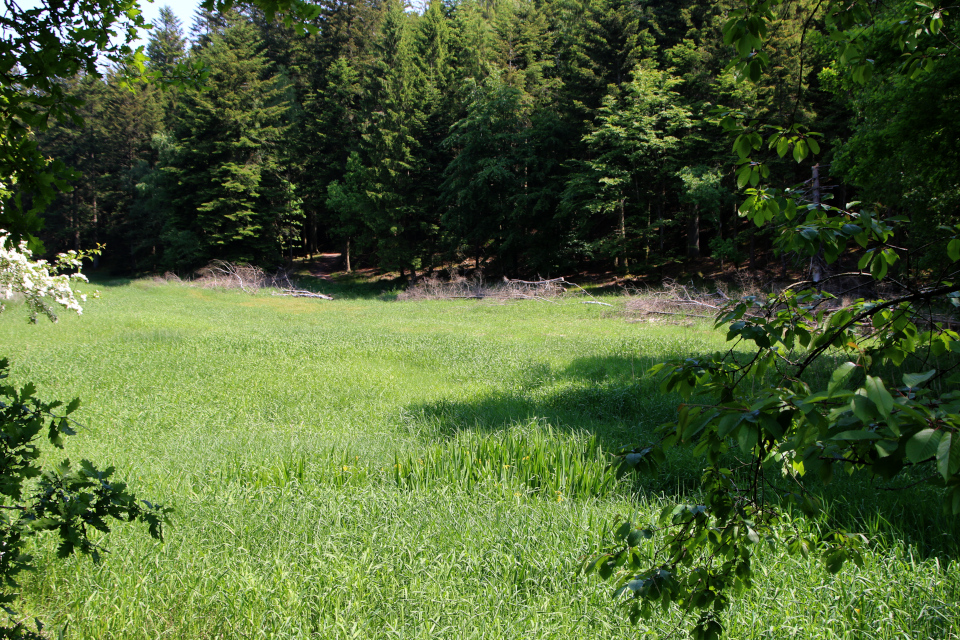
<point>528,459</point>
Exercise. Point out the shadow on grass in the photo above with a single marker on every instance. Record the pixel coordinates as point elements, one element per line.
<point>613,399</point>
<point>352,287</point>
<point>606,396</point>
<point>104,279</point>
<point>610,398</point>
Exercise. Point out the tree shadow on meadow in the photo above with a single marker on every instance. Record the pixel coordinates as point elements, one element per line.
<point>609,398</point>
<point>617,402</point>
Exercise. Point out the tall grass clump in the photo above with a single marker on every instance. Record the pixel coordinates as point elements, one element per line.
<point>533,458</point>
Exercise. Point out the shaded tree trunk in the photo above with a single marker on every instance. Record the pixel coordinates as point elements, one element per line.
<point>818,264</point>
<point>693,233</point>
<point>623,234</point>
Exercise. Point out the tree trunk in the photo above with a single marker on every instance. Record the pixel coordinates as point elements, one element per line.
<point>623,233</point>
<point>96,235</point>
<point>312,233</point>
<point>346,253</point>
<point>72,220</point>
<point>646,236</point>
<point>818,264</point>
<point>660,223</point>
<point>693,234</point>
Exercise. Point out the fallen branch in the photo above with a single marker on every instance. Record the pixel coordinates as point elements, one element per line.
<point>539,283</point>
<point>670,313</point>
<point>299,293</point>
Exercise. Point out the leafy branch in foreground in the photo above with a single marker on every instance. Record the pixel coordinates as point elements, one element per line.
<point>809,386</point>
<point>72,501</point>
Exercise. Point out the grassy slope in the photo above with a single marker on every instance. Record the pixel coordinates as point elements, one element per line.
<point>272,425</point>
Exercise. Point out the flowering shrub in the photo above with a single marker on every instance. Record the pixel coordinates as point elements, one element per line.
<point>39,281</point>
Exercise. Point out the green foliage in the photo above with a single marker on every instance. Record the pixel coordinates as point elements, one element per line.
<point>241,411</point>
<point>390,154</point>
<point>483,174</point>
<point>72,501</point>
<point>768,421</point>
<point>46,44</point>
<point>232,195</point>
<point>167,46</point>
<point>633,148</point>
<point>521,460</point>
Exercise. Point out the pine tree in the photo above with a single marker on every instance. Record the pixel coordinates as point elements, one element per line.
<point>403,224</point>
<point>234,201</point>
<point>166,46</point>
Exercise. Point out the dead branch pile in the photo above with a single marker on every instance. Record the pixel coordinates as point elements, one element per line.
<point>169,276</point>
<point>433,288</point>
<point>220,274</point>
<point>674,299</point>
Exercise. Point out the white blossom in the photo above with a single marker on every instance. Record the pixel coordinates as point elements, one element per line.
<point>37,280</point>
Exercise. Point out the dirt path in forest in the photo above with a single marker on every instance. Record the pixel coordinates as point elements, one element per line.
<point>324,264</point>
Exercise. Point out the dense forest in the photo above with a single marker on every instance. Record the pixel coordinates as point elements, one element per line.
<point>524,137</point>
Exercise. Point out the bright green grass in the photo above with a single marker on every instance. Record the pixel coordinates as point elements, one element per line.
<point>275,426</point>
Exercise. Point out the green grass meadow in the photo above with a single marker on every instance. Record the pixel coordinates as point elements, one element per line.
<point>369,468</point>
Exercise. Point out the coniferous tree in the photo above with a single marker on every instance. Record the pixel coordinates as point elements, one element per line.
<point>166,45</point>
<point>401,221</point>
<point>120,123</point>
<point>482,179</point>
<point>233,200</point>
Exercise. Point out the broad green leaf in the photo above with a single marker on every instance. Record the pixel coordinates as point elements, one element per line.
<point>923,445</point>
<point>799,150</point>
<point>948,455</point>
<point>742,146</point>
<point>728,423</point>
<point>879,268</point>
<point>953,249</point>
<point>839,377</point>
<point>747,437</point>
<point>834,560</point>
<point>880,396</point>
<point>916,379</point>
<point>783,145</point>
<point>858,434</point>
<point>864,408</point>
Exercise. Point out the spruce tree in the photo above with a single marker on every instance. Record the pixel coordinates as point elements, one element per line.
<point>403,224</point>
<point>166,46</point>
<point>483,178</point>
<point>234,203</point>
